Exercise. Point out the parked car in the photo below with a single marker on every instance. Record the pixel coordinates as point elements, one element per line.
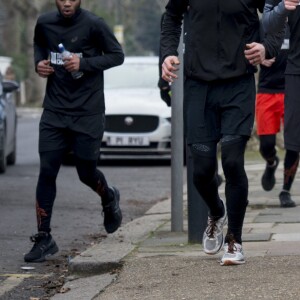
<point>8,123</point>
<point>138,122</point>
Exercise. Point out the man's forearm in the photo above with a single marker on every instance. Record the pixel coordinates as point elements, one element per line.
<point>170,36</point>
<point>103,62</point>
<point>274,17</point>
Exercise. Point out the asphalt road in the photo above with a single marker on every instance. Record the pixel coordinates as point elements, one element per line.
<point>77,219</point>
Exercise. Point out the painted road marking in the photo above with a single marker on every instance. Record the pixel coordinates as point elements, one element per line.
<point>10,283</point>
<point>13,280</point>
<point>17,275</point>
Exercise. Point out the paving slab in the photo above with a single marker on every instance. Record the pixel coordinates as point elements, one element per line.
<point>156,263</point>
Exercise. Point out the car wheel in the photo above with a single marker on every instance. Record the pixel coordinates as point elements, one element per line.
<point>2,153</point>
<point>11,158</point>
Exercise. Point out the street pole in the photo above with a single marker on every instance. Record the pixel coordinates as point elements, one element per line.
<point>177,142</point>
<point>197,210</point>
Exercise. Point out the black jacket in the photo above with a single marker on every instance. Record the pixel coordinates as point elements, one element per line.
<point>272,79</point>
<point>89,37</point>
<point>218,33</point>
<point>274,19</point>
<point>161,83</point>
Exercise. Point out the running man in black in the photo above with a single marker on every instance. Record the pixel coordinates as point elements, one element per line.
<point>73,116</point>
<point>221,53</point>
<point>277,15</point>
<point>165,93</point>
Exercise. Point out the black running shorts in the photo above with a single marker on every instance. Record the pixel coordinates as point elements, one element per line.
<point>218,108</point>
<point>292,113</point>
<point>81,134</point>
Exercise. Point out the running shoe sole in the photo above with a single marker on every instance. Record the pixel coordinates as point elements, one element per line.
<point>232,262</point>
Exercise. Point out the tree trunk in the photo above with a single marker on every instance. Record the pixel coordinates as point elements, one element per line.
<point>35,85</point>
<point>19,43</point>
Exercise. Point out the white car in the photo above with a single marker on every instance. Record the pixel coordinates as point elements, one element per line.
<point>8,123</point>
<point>138,122</point>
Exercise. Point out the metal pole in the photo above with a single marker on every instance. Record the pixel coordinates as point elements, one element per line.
<point>177,148</point>
<point>197,210</point>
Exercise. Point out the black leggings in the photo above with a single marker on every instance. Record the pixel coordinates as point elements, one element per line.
<point>236,184</point>
<point>267,148</point>
<point>50,163</point>
<point>291,159</point>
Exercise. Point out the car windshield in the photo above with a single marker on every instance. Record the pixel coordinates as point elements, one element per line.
<point>132,75</point>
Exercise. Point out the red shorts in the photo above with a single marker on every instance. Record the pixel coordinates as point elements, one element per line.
<point>269,112</point>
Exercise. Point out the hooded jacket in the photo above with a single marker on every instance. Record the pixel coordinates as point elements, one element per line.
<point>217,35</point>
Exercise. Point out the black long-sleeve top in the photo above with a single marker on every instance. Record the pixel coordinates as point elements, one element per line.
<point>276,17</point>
<point>272,79</point>
<point>91,39</point>
<point>218,33</point>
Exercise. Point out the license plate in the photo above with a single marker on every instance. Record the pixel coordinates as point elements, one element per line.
<point>136,141</point>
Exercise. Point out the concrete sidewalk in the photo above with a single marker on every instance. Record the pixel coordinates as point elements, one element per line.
<point>145,260</point>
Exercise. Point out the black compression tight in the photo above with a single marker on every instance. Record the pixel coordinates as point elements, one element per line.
<point>291,159</point>
<point>236,184</point>
<point>92,177</point>
<point>267,148</point>
<point>204,176</point>
<point>291,162</point>
<point>50,163</point>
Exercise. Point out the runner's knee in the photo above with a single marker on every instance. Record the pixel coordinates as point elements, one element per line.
<point>204,162</point>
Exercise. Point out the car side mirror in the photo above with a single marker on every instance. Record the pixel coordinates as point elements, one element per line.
<point>10,86</point>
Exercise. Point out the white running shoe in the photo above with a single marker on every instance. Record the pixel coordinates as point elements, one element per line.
<point>233,255</point>
<point>213,238</point>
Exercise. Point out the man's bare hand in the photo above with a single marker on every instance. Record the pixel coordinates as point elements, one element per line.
<point>255,53</point>
<point>169,68</point>
<point>44,69</point>
<point>291,4</point>
<point>72,63</point>
<point>268,62</point>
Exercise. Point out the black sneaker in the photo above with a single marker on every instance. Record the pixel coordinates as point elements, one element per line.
<point>44,245</point>
<point>268,179</point>
<point>112,213</point>
<point>285,199</point>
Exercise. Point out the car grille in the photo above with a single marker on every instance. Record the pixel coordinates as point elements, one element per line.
<point>131,123</point>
